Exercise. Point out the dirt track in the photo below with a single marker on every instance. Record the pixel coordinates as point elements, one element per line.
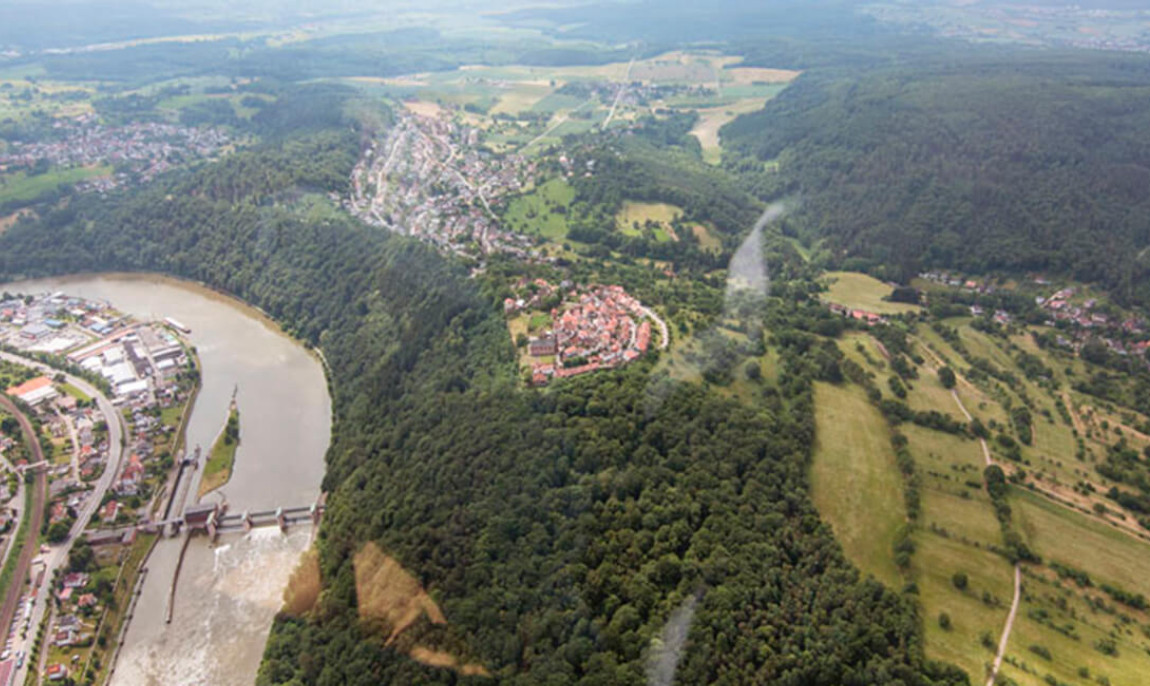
<point>1005,639</point>
<point>31,542</point>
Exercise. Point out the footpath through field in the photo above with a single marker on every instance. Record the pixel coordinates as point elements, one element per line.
<point>1002,642</point>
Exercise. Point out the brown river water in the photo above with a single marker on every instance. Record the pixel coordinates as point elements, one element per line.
<point>228,592</point>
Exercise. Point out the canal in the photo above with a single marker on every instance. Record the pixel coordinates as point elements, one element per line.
<point>229,592</point>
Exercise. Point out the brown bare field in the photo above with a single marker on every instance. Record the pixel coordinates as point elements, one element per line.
<point>707,240</point>
<point>749,75</point>
<point>423,108</point>
<point>712,119</point>
<point>389,594</point>
<point>303,588</point>
<point>522,97</point>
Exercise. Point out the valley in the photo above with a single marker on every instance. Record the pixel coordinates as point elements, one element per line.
<point>639,343</point>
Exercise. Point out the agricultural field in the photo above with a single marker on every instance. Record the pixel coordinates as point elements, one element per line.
<point>1075,646</point>
<point>21,98</point>
<point>1106,553</point>
<point>707,239</point>
<point>937,560</point>
<point>21,187</point>
<point>520,107</point>
<point>542,211</point>
<point>637,217</point>
<point>863,292</point>
<point>864,350</point>
<point>711,119</point>
<point>854,480</point>
<point>1063,630</point>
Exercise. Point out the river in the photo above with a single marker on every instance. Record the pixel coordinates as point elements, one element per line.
<point>229,592</point>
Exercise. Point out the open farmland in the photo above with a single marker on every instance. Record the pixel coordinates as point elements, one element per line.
<point>21,187</point>
<point>711,119</point>
<point>863,292</point>
<point>936,561</point>
<point>854,480</point>
<point>542,211</point>
<point>635,217</point>
<point>522,105</point>
<point>1102,551</point>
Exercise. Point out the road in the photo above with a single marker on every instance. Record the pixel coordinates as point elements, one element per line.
<point>31,541</point>
<point>619,95</point>
<point>665,338</point>
<point>559,121</point>
<point>57,556</point>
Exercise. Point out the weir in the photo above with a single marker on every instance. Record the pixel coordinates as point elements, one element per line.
<point>212,518</point>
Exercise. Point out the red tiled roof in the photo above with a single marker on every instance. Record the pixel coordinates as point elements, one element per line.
<point>29,386</point>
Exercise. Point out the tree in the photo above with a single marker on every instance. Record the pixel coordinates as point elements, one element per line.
<point>995,481</point>
<point>960,580</point>
<point>57,532</point>
<point>946,377</point>
<point>80,558</point>
<point>905,294</point>
<point>978,429</point>
<point>944,621</point>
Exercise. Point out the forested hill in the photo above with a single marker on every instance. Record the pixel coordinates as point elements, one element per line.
<point>1025,162</point>
<point>557,530</point>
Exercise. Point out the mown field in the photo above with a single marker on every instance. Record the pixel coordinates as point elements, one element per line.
<point>633,219</point>
<point>543,211</point>
<point>21,187</point>
<point>1064,633</point>
<point>863,292</point>
<point>854,480</point>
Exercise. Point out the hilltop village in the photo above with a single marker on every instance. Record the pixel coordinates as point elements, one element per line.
<point>566,331</point>
<point>108,476</point>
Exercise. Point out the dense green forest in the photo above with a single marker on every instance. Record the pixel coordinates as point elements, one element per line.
<point>1020,162</point>
<point>556,529</point>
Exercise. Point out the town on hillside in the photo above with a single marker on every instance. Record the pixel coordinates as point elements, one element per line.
<point>1074,316</point>
<point>102,498</point>
<point>428,178</point>
<point>139,151</point>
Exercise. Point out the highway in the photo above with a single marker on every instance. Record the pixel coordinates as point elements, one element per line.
<point>57,556</point>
